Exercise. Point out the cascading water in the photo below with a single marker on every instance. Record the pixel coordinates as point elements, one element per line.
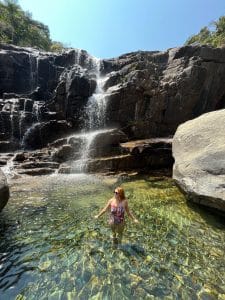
<point>95,113</point>
<point>36,110</point>
<point>12,110</point>
<point>96,105</point>
<point>87,138</point>
<point>36,113</point>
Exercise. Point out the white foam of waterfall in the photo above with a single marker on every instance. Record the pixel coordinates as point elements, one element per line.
<point>96,105</point>
<point>95,113</point>
<point>12,111</point>
<point>77,56</point>
<point>31,72</point>
<point>9,167</point>
<point>34,64</point>
<point>36,116</point>
<point>87,140</point>
<point>27,133</point>
<point>36,110</point>
<point>21,119</point>
<point>37,70</point>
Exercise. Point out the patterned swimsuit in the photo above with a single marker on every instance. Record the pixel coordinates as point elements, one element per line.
<point>116,214</point>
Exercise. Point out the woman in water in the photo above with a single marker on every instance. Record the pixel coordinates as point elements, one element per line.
<point>117,207</point>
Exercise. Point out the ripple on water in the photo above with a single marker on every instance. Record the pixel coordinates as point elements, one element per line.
<point>51,247</point>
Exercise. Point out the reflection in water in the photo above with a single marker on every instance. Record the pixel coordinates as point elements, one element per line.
<point>52,248</point>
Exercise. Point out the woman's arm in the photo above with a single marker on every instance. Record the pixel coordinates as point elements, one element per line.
<point>129,212</point>
<point>104,209</point>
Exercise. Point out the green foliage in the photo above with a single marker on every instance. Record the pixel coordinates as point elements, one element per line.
<point>215,37</point>
<point>17,27</point>
<point>56,46</point>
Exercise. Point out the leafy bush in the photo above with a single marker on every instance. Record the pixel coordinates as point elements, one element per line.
<point>214,37</point>
<point>17,27</point>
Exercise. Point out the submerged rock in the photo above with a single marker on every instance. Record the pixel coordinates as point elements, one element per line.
<point>4,190</point>
<point>199,152</point>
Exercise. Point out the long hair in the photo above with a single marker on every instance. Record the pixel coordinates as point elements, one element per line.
<point>121,193</point>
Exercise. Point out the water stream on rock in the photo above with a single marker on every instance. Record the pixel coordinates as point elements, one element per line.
<point>87,138</point>
<point>52,248</point>
<point>95,112</point>
<point>96,106</point>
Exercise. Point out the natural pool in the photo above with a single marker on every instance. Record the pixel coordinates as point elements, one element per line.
<point>52,248</point>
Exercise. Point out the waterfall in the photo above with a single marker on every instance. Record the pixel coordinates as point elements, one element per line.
<point>95,116</point>
<point>33,62</point>
<point>21,119</point>
<point>36,110</point>
<point>77,56</point>
<point>87,138</point>
<point>9,167</point>
<point>12,122</point>
<point>37,117</point>
<point>96,105</point>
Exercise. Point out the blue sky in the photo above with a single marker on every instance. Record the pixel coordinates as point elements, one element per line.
<point>109,28</point>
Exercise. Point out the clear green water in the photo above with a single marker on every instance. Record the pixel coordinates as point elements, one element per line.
<point>52,248</point>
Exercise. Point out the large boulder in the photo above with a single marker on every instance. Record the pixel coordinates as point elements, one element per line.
<point>199,152</point>
<point>4,190</point>
<point>107,142</point>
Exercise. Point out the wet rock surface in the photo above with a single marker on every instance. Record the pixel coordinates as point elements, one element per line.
<point>4,190</point>
<point>153,92</point>
<point>43,100</point>
<point>199,152</point>
<point>154,145</point>
<point>148,93</point>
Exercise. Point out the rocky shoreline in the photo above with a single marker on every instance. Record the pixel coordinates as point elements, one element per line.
<point>54,117</point>
<point>109,156</point>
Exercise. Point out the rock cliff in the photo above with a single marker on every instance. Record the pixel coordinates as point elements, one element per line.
<point>147,94</point>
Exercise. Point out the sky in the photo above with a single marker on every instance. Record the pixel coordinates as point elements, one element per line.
<point>109,28</point>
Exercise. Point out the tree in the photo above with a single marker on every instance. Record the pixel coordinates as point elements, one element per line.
<point>214,37</point>
<point>17,27</point>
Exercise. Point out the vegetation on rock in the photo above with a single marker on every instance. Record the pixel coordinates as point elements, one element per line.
<point>214,37</point>
<point>17,27</point>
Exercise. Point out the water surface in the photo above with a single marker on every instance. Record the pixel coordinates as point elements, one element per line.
<point>52,248</point>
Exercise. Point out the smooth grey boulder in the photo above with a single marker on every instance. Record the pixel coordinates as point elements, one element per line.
<point>4,190</point>
<point>199,152</point>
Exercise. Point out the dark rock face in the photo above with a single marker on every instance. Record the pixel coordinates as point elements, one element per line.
<point>199,152</point>
<point>37,87</point>
<point>24,69</point>
<point>157,91</point>
<point>41,134</point>
<point>4,191</point>
<point>107,143</point>
<point>64,153</point>
<point>148,94</point>
<point>72,93</point>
